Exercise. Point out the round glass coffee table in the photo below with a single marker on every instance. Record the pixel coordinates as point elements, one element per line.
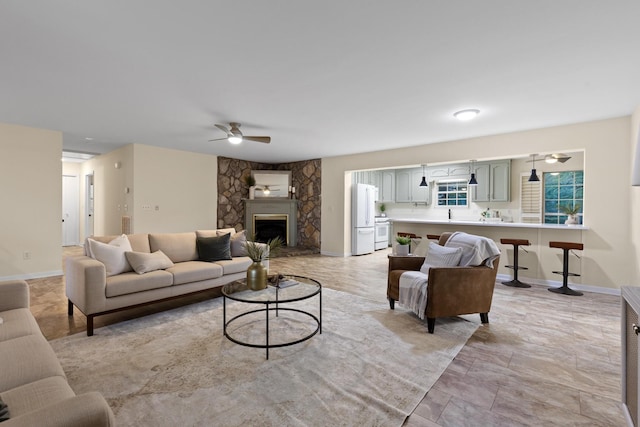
<point>291,288</point>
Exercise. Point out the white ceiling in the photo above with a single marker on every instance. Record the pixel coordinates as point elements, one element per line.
<point>322,78</point>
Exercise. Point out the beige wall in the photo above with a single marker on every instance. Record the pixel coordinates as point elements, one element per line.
<point>634,252</point>
<point>31,188</point>
<point>181,184</point>
<point>606,261</point>
<point>110,200</point>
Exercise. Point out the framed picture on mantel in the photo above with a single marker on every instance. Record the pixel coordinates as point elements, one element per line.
<point>272,184</point>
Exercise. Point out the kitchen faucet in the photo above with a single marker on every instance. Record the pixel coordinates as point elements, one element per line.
<point>449,214</point>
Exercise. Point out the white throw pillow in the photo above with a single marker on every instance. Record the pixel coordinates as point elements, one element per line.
<point>143,262</point>
<point>440,256</point>
<point>422,249</point>
<point>112,255</point>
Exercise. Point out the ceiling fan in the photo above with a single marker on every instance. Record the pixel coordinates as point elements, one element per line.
<point>551,158</point>
<point>266,189</point>
<point>234,135</point>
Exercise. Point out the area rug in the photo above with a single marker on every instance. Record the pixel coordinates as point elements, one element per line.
<point>371,366</point>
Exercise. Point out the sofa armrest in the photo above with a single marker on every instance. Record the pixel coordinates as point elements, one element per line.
<point>88,409</point>
<point>86,283</point>
<point>14,294</point>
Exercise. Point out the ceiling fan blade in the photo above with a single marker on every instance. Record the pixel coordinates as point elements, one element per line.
<point>219,139</point>
<point>265,139</point>
<point>223,129</point>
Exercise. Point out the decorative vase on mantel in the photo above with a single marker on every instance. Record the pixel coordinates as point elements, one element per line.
<point>252,192</point>
<point>257,276</point>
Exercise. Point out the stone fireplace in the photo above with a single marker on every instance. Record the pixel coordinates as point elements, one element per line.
<point>269,218</point>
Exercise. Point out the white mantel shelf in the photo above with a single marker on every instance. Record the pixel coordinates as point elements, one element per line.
<point>488,224</point>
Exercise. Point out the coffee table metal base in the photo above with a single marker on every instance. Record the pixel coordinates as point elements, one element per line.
<point>267,309</point>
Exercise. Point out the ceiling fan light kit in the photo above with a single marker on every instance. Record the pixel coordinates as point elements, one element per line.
<point>234,136</point>
<point>468,114</point>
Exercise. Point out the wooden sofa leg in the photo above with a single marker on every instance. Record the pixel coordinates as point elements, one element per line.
<point>484,317</point>
<point>89,326</point>
<point>431,324</point>
<point>69,307</point>
<point>392,303</point>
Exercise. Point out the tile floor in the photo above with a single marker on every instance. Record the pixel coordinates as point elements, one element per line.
<point>544,360</point>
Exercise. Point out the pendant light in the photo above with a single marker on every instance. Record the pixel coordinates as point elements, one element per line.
<point>472,181</point>
<point>423,183</point>
<point>534,175</point>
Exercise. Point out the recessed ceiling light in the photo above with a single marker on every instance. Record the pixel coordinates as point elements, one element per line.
<point>464,115</point>
<point>88,139</point>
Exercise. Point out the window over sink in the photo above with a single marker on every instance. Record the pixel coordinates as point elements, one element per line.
<point>453,193</point>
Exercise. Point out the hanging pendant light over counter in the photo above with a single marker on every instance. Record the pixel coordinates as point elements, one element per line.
<point>472,181</point>
<point>534,175</point>
<point>423,183</point>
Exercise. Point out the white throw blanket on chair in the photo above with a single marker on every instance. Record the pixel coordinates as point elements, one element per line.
<point>413,292</point>
<point>475,249</point>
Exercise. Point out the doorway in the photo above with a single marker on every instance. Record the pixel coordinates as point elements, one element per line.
<point>70,210</point>
<point>89,214</point>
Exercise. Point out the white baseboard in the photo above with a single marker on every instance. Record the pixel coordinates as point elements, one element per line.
<point>555,283</point>
<point>29,276</point>
<point>335,254</point>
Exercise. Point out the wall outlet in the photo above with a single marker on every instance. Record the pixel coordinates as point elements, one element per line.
<point>26,255</point>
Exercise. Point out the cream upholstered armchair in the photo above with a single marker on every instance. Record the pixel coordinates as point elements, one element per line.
<point>451,291</point>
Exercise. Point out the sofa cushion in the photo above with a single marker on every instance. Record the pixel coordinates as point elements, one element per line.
<point>144,262</point>
<point>179,247</point>
<point>440,256</point>
<point>112,254</point>
<point>214,248</point>
<point>235,265</point>
<point>238,241</point>
<point>194,271</point>
<point>32,359</point>
<point>35,395</point>
<point>139,242</point>
<point>17,323</point>
<point>129,283</point>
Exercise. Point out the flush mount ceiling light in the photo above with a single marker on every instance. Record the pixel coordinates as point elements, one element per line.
<point>472,181</point>
<point>554,158</point>
<point>464,115</point>
<point>423,183</point>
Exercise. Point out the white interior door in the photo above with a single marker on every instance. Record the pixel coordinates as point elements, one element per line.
<point>89,211</point>
<point>70,210</point>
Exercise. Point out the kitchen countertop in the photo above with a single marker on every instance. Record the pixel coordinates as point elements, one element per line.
<point>489,223</point>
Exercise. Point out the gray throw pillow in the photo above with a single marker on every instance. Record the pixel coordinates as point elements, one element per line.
<point>143,262</point>
<point>214,248</point>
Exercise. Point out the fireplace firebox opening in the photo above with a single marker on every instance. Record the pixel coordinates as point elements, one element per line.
<point>270,226</point>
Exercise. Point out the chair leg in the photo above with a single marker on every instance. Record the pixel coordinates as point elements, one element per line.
<point>484,317</point>
<point>392,303</point>
<point>431,324</point>
<point>69,307</point>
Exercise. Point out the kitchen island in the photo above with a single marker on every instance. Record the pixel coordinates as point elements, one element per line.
<point>540,259</point>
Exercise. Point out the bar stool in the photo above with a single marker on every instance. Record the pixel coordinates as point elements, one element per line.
<point>566,247</point>
<point>433,236</point>
<point>516,244</point>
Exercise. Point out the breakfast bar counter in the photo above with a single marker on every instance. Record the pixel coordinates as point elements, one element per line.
<point>540,259</point>
<point>488,223</point>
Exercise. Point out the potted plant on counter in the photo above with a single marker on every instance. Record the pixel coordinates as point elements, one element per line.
<point>571,212</point>
<point>382,208</point>
<point>402,248</point>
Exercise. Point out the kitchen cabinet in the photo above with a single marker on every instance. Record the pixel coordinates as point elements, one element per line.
<point>457,171</point>
<point>494,182</point>
<point>387,188</point>
<point>630,352</point>
<point>408,189</point>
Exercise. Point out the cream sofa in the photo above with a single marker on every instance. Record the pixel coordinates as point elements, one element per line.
<point>32,382</point>
<point>94,293</point>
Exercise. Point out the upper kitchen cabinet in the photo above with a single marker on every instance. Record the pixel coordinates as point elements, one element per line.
<point>408,189</point>
<point>387,188</point>
<point>494,182</point>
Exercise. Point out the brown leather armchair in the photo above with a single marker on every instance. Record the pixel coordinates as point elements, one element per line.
<point>451,291</point>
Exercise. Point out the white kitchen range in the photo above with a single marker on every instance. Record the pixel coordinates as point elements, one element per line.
<point>383,230</point>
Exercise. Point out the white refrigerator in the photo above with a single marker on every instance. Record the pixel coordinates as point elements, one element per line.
<point>363,219</point>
